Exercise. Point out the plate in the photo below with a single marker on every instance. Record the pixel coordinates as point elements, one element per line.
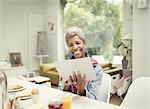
<point>15,88</point>
<point>24,97</point>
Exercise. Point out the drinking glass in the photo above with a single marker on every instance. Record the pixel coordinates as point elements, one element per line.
<point>66,101</point>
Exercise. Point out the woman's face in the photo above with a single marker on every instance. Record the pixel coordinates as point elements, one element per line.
<point>76,47</point>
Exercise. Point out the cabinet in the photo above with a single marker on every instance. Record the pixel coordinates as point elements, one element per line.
<point>15,71</point>
<point>120,80</point>
<point>115,74</point>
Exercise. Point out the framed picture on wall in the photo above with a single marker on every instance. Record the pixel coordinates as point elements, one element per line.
<point>51,24</point>
<point>15,59</point>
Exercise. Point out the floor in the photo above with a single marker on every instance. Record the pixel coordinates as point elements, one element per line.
<point>115,99</point>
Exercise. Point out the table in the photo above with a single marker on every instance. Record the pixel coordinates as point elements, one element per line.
<point>114,71</point>
<point>15,71</point>
<point>38,79</point>
<point>46,93</point>
<point>42,80</point>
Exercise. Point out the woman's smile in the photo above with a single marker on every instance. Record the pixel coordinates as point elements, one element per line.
<point>76,47</point>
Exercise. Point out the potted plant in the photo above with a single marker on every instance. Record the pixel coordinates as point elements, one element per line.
<point>125,48</point>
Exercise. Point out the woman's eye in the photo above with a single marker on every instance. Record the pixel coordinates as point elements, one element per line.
<point>77,43</point>
<point>70,45</point>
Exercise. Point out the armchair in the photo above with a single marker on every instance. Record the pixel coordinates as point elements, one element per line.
<point>49,70</point>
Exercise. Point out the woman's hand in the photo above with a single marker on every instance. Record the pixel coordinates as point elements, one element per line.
<point>79,82</point>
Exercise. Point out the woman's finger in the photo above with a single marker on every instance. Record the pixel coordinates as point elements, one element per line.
<point>84,77</point>
<point>78,76</point>
<point>70,80</point>
<point>66,85</point>
<point>74,77</point>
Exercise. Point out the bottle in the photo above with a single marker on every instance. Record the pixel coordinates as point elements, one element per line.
<point>61,84</point>
<point>3,90</point>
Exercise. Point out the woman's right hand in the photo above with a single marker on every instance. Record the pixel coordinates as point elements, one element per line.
<point>75,83</point>
<point>79,82</point>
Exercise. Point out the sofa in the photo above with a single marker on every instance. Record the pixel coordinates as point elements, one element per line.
<point>49,70</point>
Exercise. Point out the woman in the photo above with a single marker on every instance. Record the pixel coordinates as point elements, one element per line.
<point>77,84</point>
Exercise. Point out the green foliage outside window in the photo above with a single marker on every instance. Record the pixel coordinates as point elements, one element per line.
<point>101,22</point>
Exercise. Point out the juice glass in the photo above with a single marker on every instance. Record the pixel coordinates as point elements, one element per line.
<point>66,101</point>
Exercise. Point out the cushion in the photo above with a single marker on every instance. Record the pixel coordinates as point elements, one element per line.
<point>106,65</point>
<point>47,67</point>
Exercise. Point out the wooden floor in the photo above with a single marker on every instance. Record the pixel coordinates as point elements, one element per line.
<point>115,99</point>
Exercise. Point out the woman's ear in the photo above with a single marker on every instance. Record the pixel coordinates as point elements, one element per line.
<point>86,49</point>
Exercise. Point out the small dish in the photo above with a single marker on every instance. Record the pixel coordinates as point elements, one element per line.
<point>15,88</point>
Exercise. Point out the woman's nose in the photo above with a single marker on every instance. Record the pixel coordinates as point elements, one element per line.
<point>75,46</point>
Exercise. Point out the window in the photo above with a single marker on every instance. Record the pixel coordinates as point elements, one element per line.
<point>102,22</point>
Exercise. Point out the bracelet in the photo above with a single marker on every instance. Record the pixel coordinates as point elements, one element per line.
<point>82,94</point>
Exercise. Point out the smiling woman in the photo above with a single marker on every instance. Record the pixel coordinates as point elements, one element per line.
<point>77,83</point>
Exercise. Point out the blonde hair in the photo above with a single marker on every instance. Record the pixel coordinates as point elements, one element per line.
<point>74,31</point>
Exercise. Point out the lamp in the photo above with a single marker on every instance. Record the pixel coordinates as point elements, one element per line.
<point>42,45</point>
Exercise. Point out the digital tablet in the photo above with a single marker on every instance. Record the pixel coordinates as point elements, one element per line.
<point>66,68</point>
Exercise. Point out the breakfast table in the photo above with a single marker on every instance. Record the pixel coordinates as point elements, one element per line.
<point>46,94</point>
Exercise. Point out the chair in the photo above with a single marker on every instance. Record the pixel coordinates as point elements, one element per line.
<point>99,58</point>
<point>105,88</point>
<point>138,95</point>
<point>49,70</point>
<point>117,61</point>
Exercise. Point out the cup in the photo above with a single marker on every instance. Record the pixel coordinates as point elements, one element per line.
<point>66,101</point>
<point>35,98</point>
<point>55,103</point>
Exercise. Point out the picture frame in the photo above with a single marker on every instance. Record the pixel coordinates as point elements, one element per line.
<point>15,59</point>
<point>51,24</point>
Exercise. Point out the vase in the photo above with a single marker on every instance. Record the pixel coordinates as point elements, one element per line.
<point>124,64</point>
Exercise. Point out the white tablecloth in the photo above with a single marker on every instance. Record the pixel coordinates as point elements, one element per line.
<point>47,93</point>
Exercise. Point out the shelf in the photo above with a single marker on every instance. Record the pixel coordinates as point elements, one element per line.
<point>38,56</point>
<point>41,58</point>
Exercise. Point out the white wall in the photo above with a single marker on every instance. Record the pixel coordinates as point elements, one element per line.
<point>61,52</point>
<point>127,19</point>
<point>148,42</point>
<point>1,44</point>
<point>141,45</point>
<point>52,9</point>
<point>16,29</point>
<point>15,26</point>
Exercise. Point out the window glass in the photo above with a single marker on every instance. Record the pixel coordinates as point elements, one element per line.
<point>101,21</point>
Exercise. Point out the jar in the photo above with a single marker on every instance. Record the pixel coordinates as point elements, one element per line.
<point>55,104</point>
<point>3,89</point>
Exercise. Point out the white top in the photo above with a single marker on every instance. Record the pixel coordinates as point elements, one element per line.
<point>46,93</point>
